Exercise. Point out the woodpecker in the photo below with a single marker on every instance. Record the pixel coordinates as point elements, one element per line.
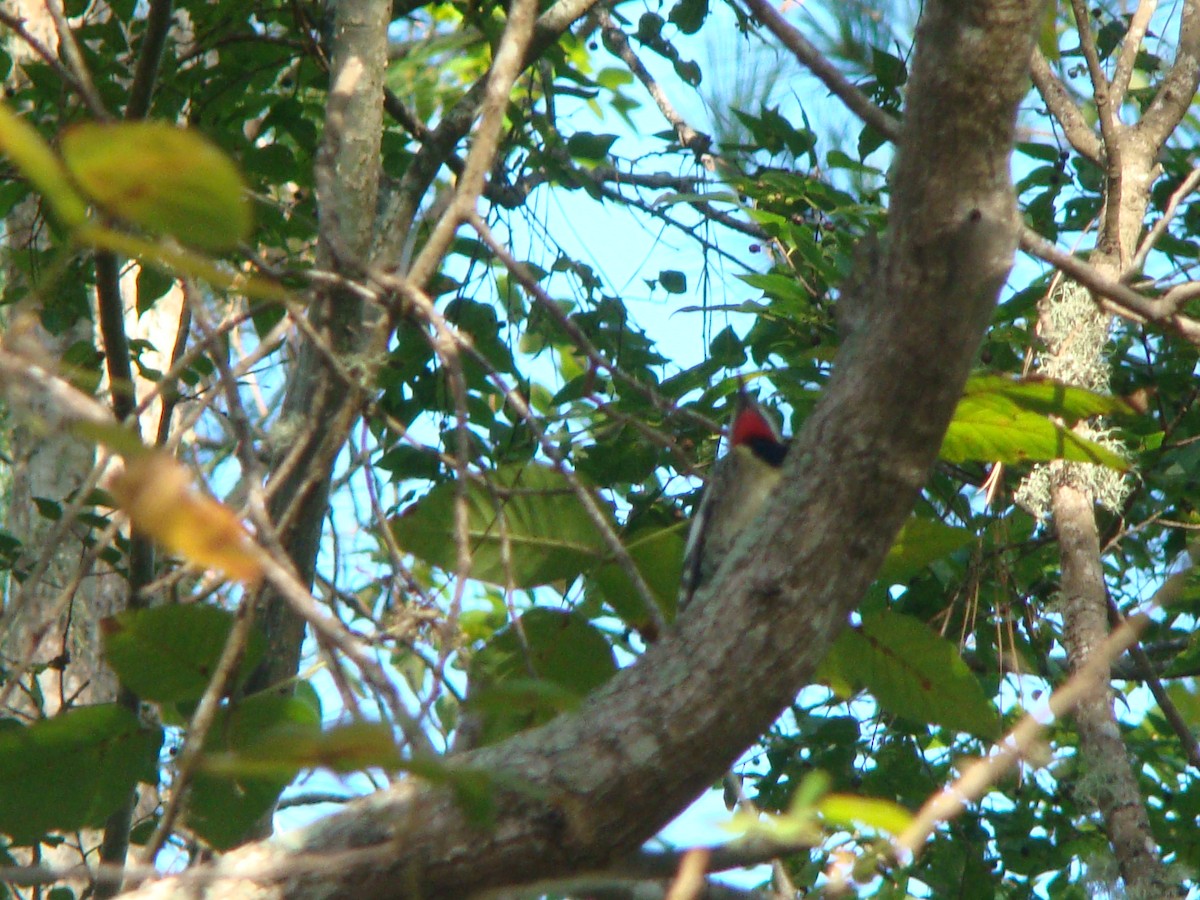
<point>739,484</point>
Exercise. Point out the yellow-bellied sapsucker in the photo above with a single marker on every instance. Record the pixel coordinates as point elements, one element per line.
<point>739,484</point>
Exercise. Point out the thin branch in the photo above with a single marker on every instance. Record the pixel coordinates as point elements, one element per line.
<point>1118,298</point>
<point>506,67</point>
<point>1183,730</point>
<point>1018,744</point>
<point>812,58</point>
<point>154,38</point>
<point>1064,109</point>
<point>615,40</point>
<point>1139,22</point>
<point>1178,88</point>
<point>1111,132</point>
<point>397,221</point>
<point>75,62</point>
<point>199,726</point>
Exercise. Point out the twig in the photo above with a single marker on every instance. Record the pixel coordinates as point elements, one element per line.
<point>812,58</point>
<point>614,38</point>
<point>74,59</point>
<point>1018,743</point>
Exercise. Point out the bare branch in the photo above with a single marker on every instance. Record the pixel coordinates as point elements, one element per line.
<point>1064,109</point>
<point>810,57</point>
<point>1115,297</point>
<point>1020,743</point>
<point>1130,47</point>
<point>1178,88</point>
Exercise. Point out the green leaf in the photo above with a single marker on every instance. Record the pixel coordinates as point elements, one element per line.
<point>151,285</point>
<point>673,281</point>
<point>919,543</point>
<point>168,654</point>
<point>585,145</point>
<point>543,664</point>
<point>1050,398</point>
<point>528,525</point>
<point>911,672</point>
<point>658,556</point>
<point>998,420</point>
<point>849,811</point>
<point>283,751</point>
<point>33,157</point>
<point>164,179</point>
<point>73,770</point>
<point>225,810</point>
<point>688,15</point>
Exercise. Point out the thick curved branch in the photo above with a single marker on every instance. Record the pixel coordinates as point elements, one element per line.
<point>592,785</point>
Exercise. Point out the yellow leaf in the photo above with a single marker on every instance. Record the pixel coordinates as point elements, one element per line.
<point>848,811</point>
<point>156,492</point>
<point>165,179</point>
<point>32,156</point>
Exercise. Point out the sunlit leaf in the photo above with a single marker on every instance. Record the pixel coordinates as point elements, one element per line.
<point>912,672</point>
<point>162,178</point>
<point>800,825</point>
<point>849,811</point>
<point>998,420</point>
<point>34,158</point>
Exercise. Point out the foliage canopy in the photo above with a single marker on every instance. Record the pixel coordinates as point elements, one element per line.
<point>447,300</point>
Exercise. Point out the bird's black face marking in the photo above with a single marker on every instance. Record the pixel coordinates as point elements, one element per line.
<point>768,450</point>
